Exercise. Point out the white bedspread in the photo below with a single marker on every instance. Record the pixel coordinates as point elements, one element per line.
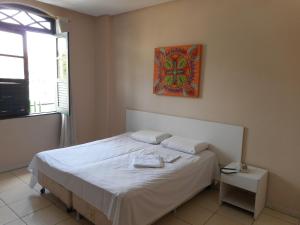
<point>59,164</point>
<point>101,173</point>
<point>135,196</point>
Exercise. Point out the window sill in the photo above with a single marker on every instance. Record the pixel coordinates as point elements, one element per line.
<point>30,115</point>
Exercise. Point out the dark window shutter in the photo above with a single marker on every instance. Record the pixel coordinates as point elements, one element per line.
<point>63,78</point>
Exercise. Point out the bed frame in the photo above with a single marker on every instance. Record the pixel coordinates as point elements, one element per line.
<point>225,140</point>
<point>89,212</point>
<point>56,189</point>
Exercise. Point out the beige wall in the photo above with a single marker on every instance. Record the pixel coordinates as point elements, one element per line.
<point>102,81</point>
<point>251,76</point>
<point>21,138</point>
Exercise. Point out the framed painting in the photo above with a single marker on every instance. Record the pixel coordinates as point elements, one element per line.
<point>177,70</point>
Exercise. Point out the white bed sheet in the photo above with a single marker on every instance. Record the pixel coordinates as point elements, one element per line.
<point>139,196</point>
<point>59,164</point>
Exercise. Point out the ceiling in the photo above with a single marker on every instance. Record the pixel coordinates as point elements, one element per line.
<point>104,7</point>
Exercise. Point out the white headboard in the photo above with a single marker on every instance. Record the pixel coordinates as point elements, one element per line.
<point>226,140</point>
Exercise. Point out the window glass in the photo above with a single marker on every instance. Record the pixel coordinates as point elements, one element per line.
<point>36,25</point>
<point>11,44</point>
<point>9,12</point>
<point>24,18</point>
<point>11,68</point>
<point>27,19</point>
<point>9,20</point>
<point>36,18</point>
<point>2,16</point>
<point>42,72</point>
<point>62,47</point>
<point>46,24</point>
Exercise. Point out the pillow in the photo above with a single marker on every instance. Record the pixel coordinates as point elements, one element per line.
<point>186,145</point>
<point>150,136</point>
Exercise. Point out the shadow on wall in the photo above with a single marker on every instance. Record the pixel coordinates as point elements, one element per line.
<point>279,185</point>
<point>203,66</point>
<point>286,190</point>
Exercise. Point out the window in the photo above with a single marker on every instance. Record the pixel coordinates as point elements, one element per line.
<point>26,18</point>
<point>34,63</point>
<point>12,55</point>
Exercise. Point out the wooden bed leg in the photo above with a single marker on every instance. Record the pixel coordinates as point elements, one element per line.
<point>78,216</point>
<point>42,191</point>
<point>70,209</point>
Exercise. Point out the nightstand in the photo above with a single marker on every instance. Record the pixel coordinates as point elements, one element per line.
<point>245,190</point>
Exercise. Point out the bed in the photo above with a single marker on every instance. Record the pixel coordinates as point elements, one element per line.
<point>53,169</point>
<point>139,196</point>
<point>130,196</point>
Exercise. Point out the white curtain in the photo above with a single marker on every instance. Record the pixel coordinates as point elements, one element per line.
<point>67,131</point>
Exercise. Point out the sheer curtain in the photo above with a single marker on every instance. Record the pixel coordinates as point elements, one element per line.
<point>67,129</point>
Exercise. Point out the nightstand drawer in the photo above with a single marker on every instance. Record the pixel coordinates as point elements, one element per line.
<point>240,181</point>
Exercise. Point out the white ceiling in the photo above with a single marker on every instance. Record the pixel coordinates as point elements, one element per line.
<point>104,7</point>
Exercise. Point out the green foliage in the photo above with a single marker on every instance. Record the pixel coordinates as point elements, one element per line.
<point>168,64</point>
<point>182,63</point>
<point>63,67</point>
<point>169,80</point>
<point>181,81</point>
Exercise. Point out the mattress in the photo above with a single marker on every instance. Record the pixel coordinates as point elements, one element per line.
<point>131,196</point>
<point>60,164</point>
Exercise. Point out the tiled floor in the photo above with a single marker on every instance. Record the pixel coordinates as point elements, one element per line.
<point>20,205</point>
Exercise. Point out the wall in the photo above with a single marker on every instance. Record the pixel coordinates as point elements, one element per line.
<point>21,138</point>
<point>102,81</point>
<point>251,76</point>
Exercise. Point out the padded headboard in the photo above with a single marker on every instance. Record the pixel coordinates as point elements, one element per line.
<point>226,140</point>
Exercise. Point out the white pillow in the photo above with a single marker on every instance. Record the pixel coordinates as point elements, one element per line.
<point>186,145</point>
<point>150,136</point>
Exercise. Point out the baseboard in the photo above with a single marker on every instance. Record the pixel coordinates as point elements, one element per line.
<point>291,212</point>
<point>13,167</point>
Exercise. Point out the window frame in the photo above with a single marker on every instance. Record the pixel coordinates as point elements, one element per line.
<point>48,18</point>
<point>25,80</point>
<point>21,29</point>
<point>25,54</point>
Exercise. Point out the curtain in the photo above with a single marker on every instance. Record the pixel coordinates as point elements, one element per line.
<point>67,131</point>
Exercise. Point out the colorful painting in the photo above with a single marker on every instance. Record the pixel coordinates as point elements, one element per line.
<point>177,70</point>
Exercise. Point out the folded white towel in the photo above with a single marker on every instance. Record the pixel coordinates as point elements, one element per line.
<point>170,158</point>
<point>148,161</point>
<point>167,158</point>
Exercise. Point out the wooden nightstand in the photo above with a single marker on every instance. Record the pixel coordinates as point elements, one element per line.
<point>245,190</point>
